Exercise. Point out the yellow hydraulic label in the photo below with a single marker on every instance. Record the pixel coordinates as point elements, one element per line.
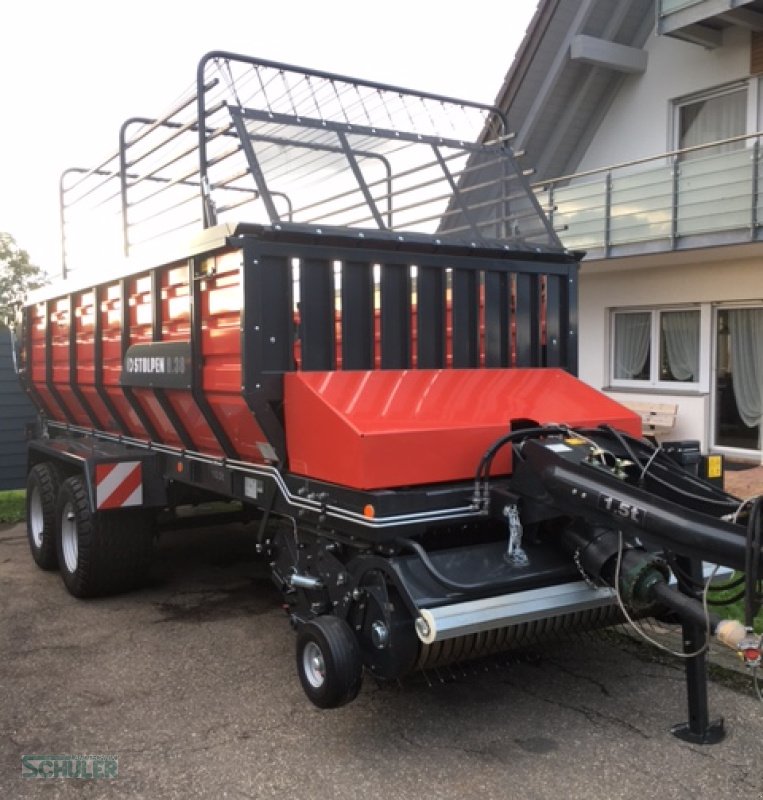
<point>714,466</point>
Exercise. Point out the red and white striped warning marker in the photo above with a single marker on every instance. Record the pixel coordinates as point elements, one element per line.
<point>118,485</point>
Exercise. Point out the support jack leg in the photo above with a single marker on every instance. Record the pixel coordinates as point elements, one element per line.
<point>698,729</point>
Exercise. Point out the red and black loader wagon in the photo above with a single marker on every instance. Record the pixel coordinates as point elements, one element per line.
<point>369,343</point>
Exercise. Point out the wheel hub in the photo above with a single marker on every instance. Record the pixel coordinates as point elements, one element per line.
<point>314,665</point>
<point>36,520</point>
<point>69,538</point>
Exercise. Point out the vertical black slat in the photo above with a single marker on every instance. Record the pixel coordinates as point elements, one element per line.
<point>273,278</point>
<point>554,322</point>
<point>466,318</point>
<point>100,387</point>
<point>73,378</point>
<point>197,362</point>
<point>156,336</point>
<point>430,317</point>
<point>49,365</point>
<point>127,391</point>
<point>357,315</point>
<point>527,320</point>
<point>395,290</point>
<point>267,340</point>
<point>571,300</point>
<point>156,306</point>
<point>317,316</point>
<point>497,334</point>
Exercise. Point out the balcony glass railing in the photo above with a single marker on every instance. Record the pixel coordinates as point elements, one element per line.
<point>669,200</point>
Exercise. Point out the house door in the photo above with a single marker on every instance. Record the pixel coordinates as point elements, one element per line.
<point>739,379</point>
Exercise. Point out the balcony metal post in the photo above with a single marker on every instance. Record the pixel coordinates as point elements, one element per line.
<point>754,183</point>
<point>551,207</point>
<point>607,213</point>
<point>674,204</point>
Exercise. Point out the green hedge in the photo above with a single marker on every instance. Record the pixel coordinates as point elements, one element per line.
<point>12,506</point>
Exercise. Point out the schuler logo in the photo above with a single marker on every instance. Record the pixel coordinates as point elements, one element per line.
<point>90,767</point>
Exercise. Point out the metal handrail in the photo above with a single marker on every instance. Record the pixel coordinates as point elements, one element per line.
<point>645,160</point>
<point>607,209</point>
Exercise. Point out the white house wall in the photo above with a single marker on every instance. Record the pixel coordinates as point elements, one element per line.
<point>638,123</point>
<point>710,277</point>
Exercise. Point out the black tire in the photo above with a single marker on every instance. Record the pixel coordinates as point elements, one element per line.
<point>41,494</point>
<point>100,554</point>
<point>329,664</point>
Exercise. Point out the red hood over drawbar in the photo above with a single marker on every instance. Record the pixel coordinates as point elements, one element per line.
<point>381,429</point>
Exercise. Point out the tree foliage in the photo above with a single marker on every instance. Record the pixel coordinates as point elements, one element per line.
<point>17,277</point>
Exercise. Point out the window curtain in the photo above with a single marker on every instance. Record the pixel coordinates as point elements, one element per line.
<point>746,329</point>
<point>681,329</point>
<point>632,337</point>
<point>712,119</point>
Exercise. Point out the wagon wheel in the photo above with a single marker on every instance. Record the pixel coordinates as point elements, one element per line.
<point>328,662</point>
<point>41,493</point>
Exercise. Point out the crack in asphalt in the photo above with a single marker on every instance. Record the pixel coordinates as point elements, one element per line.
<point>587,678</point>
<point>592,715</point>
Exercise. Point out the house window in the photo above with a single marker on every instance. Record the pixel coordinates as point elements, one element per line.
<point>657,348</point>
<point>739,378</point>
<point>711,117</point>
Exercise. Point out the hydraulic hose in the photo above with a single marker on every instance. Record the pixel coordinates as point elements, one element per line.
<point>720,499</point>
<point>454,586</point>
<point>594,496</point>
<point>486,462</point>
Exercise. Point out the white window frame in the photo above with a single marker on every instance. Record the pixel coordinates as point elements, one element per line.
<point>724,448</point>
<point>700,386</point>
<point>708,94</point>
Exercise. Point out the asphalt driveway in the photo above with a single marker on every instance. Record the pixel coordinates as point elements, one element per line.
<point>191,685</point>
